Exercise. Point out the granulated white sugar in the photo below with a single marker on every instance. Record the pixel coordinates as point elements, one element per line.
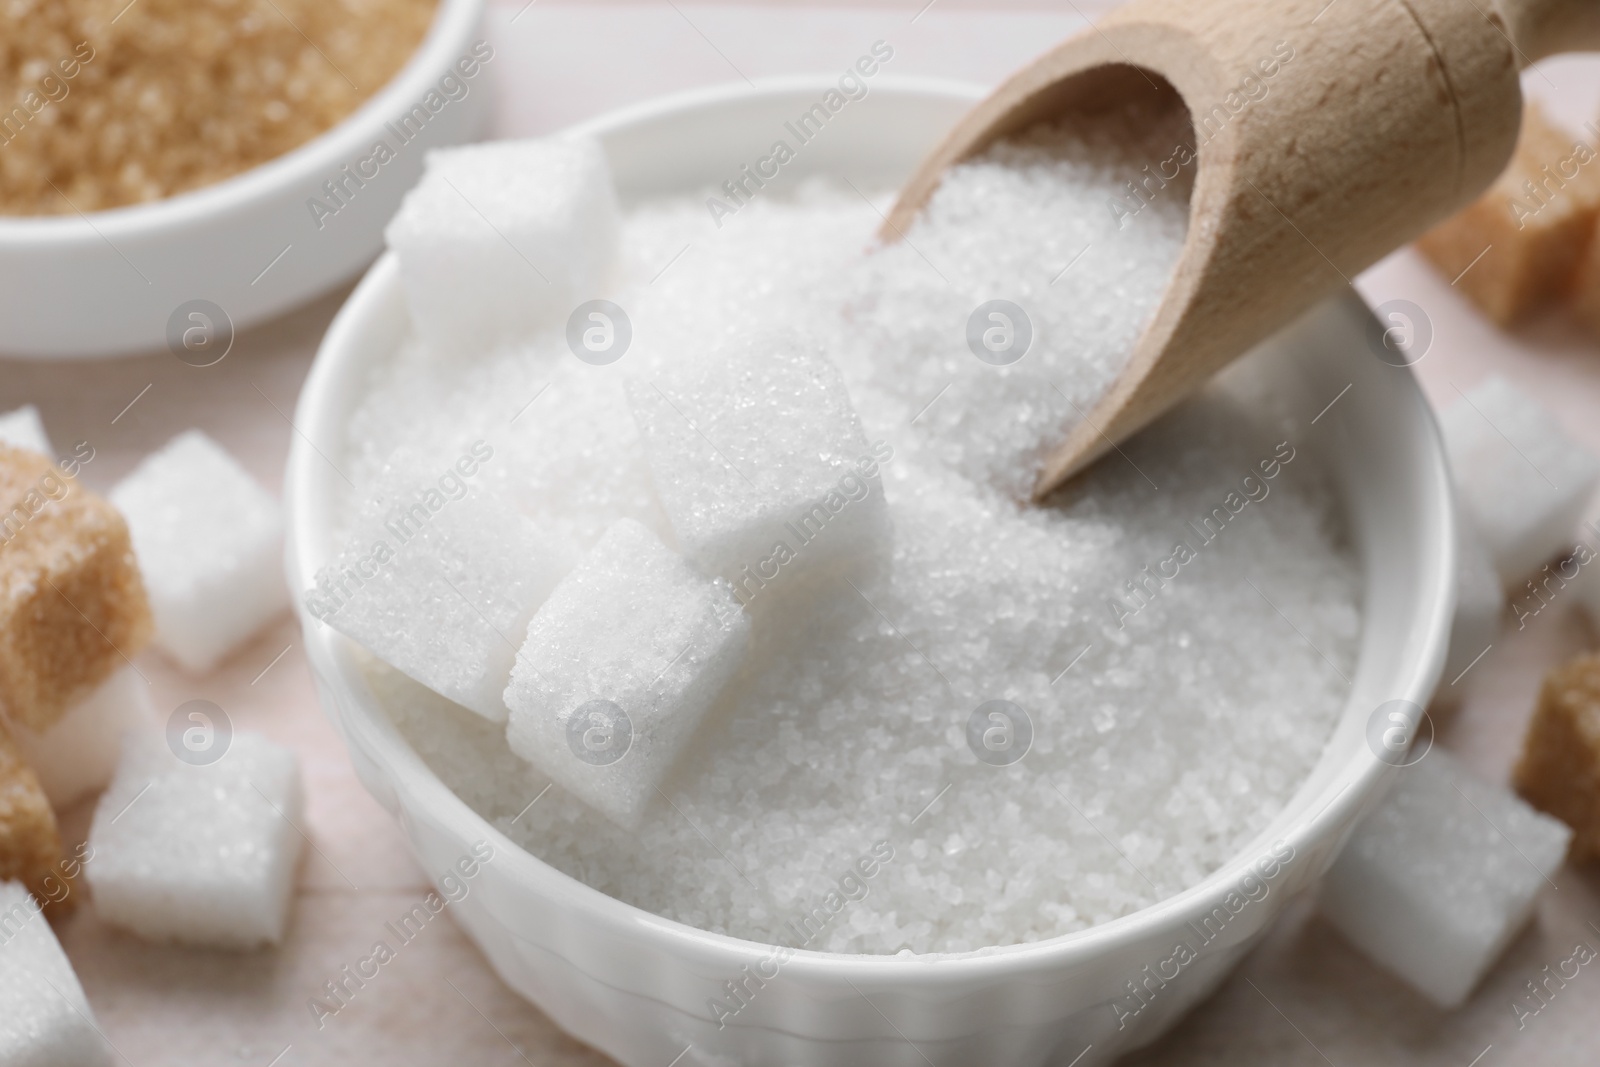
<point>1137,621</point>
<point>1043,222</point>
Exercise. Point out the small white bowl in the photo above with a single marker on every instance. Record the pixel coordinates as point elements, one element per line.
<point>109,282</point>
<point>636,985</point>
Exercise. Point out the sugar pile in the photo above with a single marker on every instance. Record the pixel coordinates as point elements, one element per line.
<point>1031,222</point>
<point>1170,717</point>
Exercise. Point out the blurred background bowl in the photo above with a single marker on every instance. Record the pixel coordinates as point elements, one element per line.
<point>239,251</point>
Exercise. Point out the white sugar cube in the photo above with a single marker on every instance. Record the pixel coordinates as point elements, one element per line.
<point>23,428</point>
<point>209,540</point>
<point>499,241</point>
<point>760,461</point>
<point>442,588</point>
<point>78,754</point>
<point>620,666</point>
<point>199,854</point>
<point>1479,603</point>
<point>45,1019</point>
<point>1522,481</point>
<point>1436,882</point>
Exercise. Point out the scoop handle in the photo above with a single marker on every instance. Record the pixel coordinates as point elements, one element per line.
<point>1540,28</point>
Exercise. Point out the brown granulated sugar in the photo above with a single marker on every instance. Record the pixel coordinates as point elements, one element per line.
<point>30,842</point>
<point>108,103</point>
<point>1559,772</point>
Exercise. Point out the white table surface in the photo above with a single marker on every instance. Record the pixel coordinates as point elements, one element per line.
<point>1303,998</point>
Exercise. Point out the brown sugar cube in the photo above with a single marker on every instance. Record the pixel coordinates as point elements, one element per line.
<point>1559,772</point>
<point>30,844</point>
<point>1535,223</point>
<point>1586,287</point>
<point>72,604</point>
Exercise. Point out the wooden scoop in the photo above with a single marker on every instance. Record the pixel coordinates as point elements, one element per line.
<point>1327,133</point>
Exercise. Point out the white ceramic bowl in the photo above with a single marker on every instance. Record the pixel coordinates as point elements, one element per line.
<point>108,282</point>
<point>637,985</point>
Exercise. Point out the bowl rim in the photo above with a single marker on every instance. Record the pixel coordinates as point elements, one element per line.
<point>453,22</point>
<point>1348,789</point>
